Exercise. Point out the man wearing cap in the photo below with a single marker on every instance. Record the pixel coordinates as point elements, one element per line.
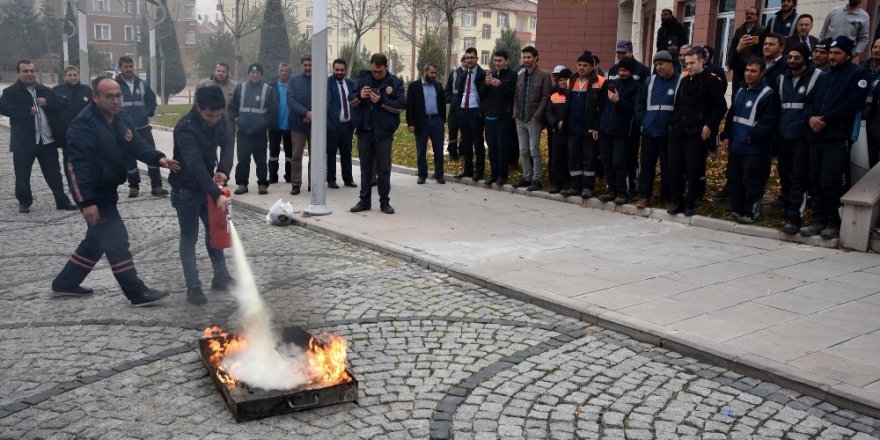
<point>803,27</point>
<point>555,116</point>
<point>748,133</point>
<point>673,46</point>
<point>562,181</point>
<point>451,118</point>
<point>653,110</point>
<point>529,103</point>
<point>497,99</point>
<point>850,21</point>
<point>793,166</point>
<point>584,102</point>
<point>698,110</point>
<point>254,108</point>
<point>669,27</point>
<point>617,103</point>
<point>831,115</point>
<point>747,42</point>
<point>820,54</point>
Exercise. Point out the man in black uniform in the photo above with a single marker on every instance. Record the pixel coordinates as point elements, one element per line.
<point>699,108</point>
<point>34,116</point>
<point>77,95</point>
<point>140,105</point>
<point>100,142</point>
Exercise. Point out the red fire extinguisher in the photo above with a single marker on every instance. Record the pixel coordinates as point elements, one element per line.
<point>218,222</point>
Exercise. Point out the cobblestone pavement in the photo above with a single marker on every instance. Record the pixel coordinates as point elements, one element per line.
<point>436,357</point>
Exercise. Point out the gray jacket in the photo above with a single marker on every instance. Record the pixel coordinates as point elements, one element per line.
<point>299,101</point>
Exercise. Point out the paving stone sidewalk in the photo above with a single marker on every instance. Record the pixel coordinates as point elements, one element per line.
<point>437,356</point>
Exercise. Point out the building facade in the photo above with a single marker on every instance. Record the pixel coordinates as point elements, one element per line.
<point>567,28</point>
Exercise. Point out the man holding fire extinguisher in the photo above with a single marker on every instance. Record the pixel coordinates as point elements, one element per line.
<point>196,187</point>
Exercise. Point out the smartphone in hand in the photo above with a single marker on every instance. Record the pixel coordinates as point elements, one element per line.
<point>612,88</point>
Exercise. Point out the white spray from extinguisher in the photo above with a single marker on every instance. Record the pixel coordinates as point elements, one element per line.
<point>260,364</point>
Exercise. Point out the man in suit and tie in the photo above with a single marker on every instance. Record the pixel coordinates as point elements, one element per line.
<point>470,119</point>
<point>425,117</point>
<point>340,108</point>
<point>803,26</point>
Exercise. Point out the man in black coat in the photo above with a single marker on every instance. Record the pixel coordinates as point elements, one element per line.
<point>425,117</point>
<point>449,91</point>
<point>35,116</point>
<point>76,94</point>
<point>669,27</point>
<point>747,42</point>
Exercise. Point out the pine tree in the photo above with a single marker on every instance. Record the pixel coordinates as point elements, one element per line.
<point>20,33</point>
<point>173,77</point>
<point>217,49</point>
<point>362,62</point>
<point>274,42</point>
<point>432,51</point>
<point>510,43</point>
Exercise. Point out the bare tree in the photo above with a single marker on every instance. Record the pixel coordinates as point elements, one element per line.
<point>361,16</point>
<point>449,8</point>
<point>244,18</point>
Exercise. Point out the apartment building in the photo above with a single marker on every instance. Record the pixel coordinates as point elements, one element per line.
<point>567,28</point>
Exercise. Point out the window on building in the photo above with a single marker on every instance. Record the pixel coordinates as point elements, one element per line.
<point>329,31</point>
<point>309,12</point>
<point>487,13</point>
<point>130,6</point>
<point>484,57</point>
<point>191,38</point>
<point>294,11</point>
<point>308,32</point>
<point>470,42</point>
<point>520,24</point>
<point>533,22</point>
<point>690,13</point>
<point>468,18</point>
<point>724,29</point>
<point>343,32</point>
<point>434,15</point>
<point>487,32</point>
<point>129,33</point>
<point>102,31</point>
<point>771,7</point>
<point>502,20</point>
<point>101,5</point>
<point>189,12</point>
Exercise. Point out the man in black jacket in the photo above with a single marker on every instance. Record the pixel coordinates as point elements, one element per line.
<point>497,99</point>
<point>140,105</point>
<point>76,94</point>
<point>470,122</point>
<point>699,108</point>
<point>747,42</point>
<point>669,27</point>
<point>196,138</point>
<point>100,143</point>
<point>452,119</point>
<point>425,118</point>
<point>35,116</point>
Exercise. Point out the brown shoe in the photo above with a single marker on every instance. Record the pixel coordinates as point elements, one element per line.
<point>642,203</point>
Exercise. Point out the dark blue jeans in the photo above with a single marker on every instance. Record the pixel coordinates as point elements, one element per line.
<point>373,151</point>
<point>432,130</point>
<point>498,137</point>
<point>134,175</point>
<point>192,205</point>
<point>340,139</point>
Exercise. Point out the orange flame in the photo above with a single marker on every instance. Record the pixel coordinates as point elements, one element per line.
<point>328,360</point>
<point>222,344</point>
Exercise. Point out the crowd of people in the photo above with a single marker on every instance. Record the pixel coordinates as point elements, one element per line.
<point>796,99</point>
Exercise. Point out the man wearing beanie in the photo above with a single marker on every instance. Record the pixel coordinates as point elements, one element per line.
<point>254,108</point>
<point>831,115</point>
<point>653,110</point>
<point>583,127</point>
<point>556,116</point>
<point>615,128</point>
<point>640,73</point>
<point>529,104</point>
<point>820,54</point>
<point>793,166</point>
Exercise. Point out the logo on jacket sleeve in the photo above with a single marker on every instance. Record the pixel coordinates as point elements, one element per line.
<point>863,83</point>
<point>128,135</point>
<point>389,90</point>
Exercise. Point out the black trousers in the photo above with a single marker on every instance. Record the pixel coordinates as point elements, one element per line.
<point>654,148</point>
<point>340,140</point>
<point>134,175</point>
<point>558,156</point>
<point>615,160</point>
<point>687,165</point>
<point>746,178</point>
<point>251,145</point>
<point>472,146</point>
<point>583,153</point>
<point>276,138</point>
<point>632,161</point>
<point>109,236</point>
<point>373,151</point>
<point>829,160</point>
<point>793,166</point>
<point>452,125</point>
<point>23,165</point>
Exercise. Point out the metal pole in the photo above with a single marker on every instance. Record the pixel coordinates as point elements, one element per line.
<point>153,78</point>
<point>318,146</point>
<point>82,27</point>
